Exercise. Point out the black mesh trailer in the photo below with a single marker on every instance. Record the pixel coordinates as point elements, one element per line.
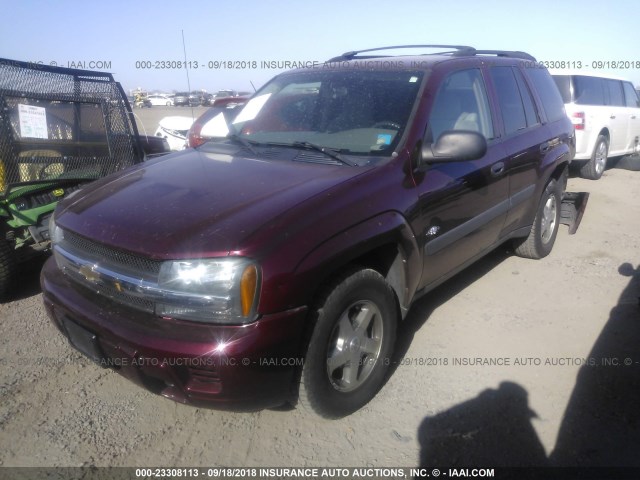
<point>60,128</point>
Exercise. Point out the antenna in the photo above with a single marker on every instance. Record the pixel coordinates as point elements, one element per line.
<point>254,87</point>
<point>141,123</point>
<point>186,69</point>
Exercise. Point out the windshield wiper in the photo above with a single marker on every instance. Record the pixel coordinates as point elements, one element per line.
<point>243,141</point>
<point>327,151</point>
<point>312,146</point>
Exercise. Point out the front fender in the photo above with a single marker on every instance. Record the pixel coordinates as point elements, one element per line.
<point>386,235</point>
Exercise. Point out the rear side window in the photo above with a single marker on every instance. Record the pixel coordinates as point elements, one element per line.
<point>630,95</point>
<point>461,104</point>
<point>614,88</point>
<point>548,92</point>
<point>509,99</point>
<point>588,90</point>
<point>517,105</point>
<point>527,100</point>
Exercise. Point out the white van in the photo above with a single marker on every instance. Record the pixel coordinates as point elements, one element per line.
<point>605,112</point>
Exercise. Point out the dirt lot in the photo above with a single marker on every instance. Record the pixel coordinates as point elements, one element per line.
<point>562,335</point>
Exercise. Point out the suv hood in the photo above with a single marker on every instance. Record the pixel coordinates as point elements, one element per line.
<point>194,203</point>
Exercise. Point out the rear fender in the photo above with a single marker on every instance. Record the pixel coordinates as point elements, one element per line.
<point>555,159</point>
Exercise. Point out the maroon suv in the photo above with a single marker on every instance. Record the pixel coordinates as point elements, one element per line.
<point>280,260</point>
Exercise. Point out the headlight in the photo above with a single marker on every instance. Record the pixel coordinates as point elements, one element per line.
<point>209,290</point>
<point>55,232</point>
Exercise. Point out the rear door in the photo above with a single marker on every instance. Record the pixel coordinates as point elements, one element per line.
<point>618,117</point>
<point>462,204</point>
<point>632,103</point>
<point>589,98</point>
<point>523,135</point>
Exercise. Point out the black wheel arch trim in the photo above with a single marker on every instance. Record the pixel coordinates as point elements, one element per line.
<point>350,245</point>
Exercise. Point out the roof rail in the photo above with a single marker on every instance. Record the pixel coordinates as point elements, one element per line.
<point>456,51</point>
<point>503,53</point>
<point>353,54</point>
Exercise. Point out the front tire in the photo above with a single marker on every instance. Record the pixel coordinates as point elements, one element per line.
<point>545,226</point>
<point>596,165</point>
<point>7,268</point>
<point>350,348</point>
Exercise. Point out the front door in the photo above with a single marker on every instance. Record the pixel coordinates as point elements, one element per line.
<point>462,205</point>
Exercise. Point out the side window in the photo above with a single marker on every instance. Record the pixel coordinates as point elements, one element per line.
<point>614,88</point>
<point>509,99</point>
<point>563,82</point>
<point>461,104</point>
<point>588,90</point>
<point>527,100</point>
<point>547,90</point>
<point>630,95</point>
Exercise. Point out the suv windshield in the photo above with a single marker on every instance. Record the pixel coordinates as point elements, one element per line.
<point>350,112</point>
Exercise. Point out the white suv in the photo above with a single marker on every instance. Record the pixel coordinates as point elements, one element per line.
<point>605,112</point>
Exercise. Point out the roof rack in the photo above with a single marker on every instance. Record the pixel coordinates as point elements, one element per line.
<point>506,53</point>
<point>455,50</point>
<point>353,54</point>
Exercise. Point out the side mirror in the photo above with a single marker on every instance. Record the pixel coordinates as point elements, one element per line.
<point>454,146</point>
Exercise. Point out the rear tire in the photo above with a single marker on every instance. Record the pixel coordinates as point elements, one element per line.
<point>596,165</point>
<point>350,348</point>
<point>7,268</point>
<point>545,226</point>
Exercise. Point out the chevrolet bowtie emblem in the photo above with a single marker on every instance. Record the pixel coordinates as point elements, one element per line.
<point>433,231</point>
<point>89,273</point>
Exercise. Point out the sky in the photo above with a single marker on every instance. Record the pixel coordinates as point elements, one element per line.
<point>238,45</point>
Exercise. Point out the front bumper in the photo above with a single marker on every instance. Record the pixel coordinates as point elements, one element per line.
<point>232,367</point>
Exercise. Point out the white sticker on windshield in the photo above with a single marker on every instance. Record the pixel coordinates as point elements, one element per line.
<point>252,108</point>
<point>413,79</point>
<point>216,127</point>
<point>33,121</point>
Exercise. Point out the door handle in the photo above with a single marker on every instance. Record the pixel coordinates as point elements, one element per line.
<point>612,116</point>
<point>497,169</point>
<point>546,146</point>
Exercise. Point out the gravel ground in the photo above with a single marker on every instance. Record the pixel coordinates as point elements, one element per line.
<point>550,325</point>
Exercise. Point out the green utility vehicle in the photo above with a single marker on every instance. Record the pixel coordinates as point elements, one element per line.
<point>60,129</point>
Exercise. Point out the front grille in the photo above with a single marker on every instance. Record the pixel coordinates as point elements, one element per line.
<point>117,259</point>
<point>127,272</point>
<point>112,293</point>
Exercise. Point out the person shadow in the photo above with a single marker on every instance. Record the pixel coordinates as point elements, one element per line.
<point>600,426</point>
<point>494,429</point>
